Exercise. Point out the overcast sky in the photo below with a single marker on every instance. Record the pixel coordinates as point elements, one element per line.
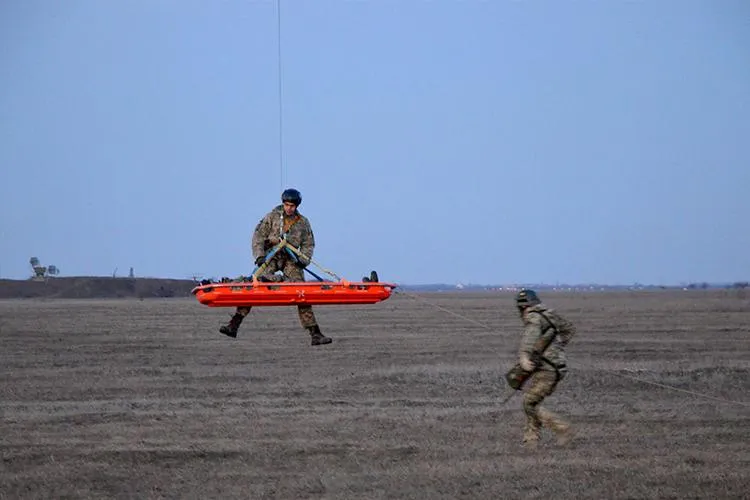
<point>441,141</point>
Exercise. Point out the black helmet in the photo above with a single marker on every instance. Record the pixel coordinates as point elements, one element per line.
<point>526,298</point>
<point>291,196</point>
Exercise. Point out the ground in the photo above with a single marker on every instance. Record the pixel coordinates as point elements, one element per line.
<point>129,398</point>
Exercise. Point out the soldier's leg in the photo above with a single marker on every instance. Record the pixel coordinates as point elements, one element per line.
<point>553,421</point>
<point>309,323</point>
<point>306,315</point>
<point>290,269</point>
<point>269,273</point>
<point>230,329</point>
<point>541,385</point>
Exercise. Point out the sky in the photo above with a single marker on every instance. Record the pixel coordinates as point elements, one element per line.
<point>483,142</point>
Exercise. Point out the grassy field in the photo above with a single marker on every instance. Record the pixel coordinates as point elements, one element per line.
<point>145,399</point>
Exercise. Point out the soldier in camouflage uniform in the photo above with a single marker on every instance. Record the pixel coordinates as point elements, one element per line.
<point>542,355</point>
<point>284,220</point>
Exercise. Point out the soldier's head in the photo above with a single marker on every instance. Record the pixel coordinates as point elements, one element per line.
<point>525,299</point>
<point>291,199</point>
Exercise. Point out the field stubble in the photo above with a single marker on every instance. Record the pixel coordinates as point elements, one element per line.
<point>144,398</point>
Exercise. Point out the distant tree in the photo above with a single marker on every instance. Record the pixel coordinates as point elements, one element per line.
<point>38,268</point>
<point>41,272</point>
<point>695,286</point>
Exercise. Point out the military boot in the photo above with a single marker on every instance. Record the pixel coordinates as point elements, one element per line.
<point>531,434</point>
<point>230,329</point>
<point>561,428</point>
<point>530,442</point>
<point>317,336</point>
<point>531,438</point>
<point>565,435</point>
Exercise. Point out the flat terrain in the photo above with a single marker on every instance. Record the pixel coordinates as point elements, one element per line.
<point>128,398</point>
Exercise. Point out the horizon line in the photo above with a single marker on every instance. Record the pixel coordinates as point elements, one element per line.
<point>459,285</point>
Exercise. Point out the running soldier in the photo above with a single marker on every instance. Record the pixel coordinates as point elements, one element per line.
<point>541,365</point>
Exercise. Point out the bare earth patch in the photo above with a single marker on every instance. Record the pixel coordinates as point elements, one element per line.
<point>123,398</point>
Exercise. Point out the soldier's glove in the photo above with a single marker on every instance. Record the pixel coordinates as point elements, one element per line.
<point>302,262</point>
<point>259,261</point>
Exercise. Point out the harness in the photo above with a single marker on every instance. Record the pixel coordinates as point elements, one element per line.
<point>286,224</point>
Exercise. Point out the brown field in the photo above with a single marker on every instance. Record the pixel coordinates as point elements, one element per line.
<point>128,398</point>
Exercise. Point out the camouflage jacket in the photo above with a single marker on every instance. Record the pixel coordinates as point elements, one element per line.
<point>269,230</point>
<point>540,323</point>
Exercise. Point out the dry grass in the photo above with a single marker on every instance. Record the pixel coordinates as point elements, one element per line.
<point>128,398</point>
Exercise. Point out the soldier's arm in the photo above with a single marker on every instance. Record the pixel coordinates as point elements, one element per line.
<point>307,244</point>
<point>532,331</point>
<point>260,235</point>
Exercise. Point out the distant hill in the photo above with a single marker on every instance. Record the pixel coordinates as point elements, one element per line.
<point>89,287</point>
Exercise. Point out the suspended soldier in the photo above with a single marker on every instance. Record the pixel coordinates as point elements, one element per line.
<point>541,365</point>
<point>284,221</point>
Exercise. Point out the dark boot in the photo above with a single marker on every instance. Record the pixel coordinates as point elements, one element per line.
<point>317,336</point>
<point>372,279</point>
<point>230,329</point>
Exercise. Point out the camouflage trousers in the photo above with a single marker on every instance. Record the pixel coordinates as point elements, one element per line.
<point>541,384</point>
<point>291,272</point>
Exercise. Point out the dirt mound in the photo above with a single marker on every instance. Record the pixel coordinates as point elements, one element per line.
<point>93,287</point>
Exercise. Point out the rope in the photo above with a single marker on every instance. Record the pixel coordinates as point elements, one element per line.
<point>677,389</point>
<point>471,320</point>
<point>309,259</point>
<point>259,270</point>
<point>284,244</point>
<point>281,109</point>
<point>657,384</point>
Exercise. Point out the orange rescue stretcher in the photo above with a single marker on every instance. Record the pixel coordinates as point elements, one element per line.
<point>254,291</point>
<point>240,294</point>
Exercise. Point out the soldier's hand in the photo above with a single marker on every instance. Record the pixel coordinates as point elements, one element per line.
<point>302,262</point>
<point>259,261</point>
<point>527,363</point>
<point>274,240</point>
